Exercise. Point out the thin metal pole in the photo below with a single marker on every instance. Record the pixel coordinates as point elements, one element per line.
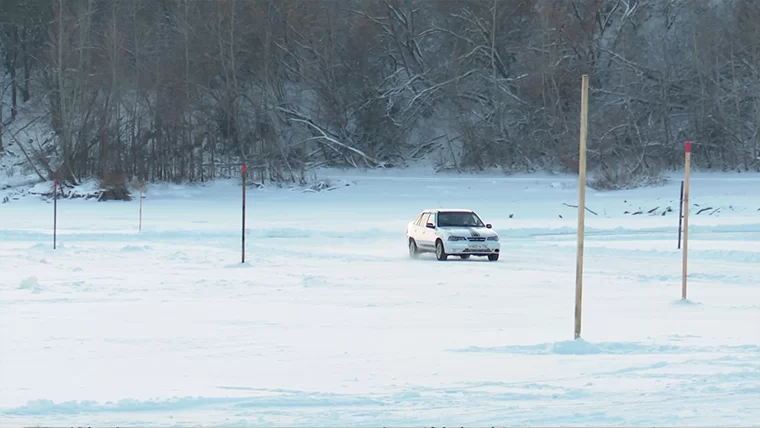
<point>55,213</point>
<point>680,215</point>
<point>244,170</point>
<point>141,203</point>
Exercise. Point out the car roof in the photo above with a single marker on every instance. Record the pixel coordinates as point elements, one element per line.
<point>454,210</point>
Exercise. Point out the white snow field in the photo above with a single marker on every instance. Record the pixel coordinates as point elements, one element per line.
<point>330,323</point>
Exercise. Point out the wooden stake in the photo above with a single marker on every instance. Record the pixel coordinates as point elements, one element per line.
<point>141,202</point>
<point>244,170</point>
<point>55,212</point>
<point>581,206</point>
<point>687,176</point>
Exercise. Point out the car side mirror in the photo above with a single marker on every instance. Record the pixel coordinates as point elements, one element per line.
<point>489,225</point>
<point>430,226</point>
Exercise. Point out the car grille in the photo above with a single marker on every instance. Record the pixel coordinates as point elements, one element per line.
<point>476,239</point>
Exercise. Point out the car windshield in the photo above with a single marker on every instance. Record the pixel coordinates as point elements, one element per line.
<point>459,219</point>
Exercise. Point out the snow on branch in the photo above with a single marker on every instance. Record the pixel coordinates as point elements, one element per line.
<point>326,136</point>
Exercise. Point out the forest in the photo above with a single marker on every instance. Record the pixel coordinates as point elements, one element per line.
<point>189,90</point>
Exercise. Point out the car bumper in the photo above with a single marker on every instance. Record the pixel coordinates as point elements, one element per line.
<point>458,248</point>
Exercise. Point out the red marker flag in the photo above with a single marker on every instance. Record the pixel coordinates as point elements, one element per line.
<point>687,147</point>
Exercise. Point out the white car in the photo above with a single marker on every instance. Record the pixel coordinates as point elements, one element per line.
<point>452,233</point>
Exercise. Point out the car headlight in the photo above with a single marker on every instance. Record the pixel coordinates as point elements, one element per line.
<point>457,238</point>
<point>493,238</point>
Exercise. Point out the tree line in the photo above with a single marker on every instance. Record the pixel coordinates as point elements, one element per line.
<point>189,90</point>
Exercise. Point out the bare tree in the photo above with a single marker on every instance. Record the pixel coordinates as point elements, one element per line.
<point>186,90</point>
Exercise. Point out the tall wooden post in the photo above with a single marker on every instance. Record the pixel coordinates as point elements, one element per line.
<point>243,171</point>
<point>686,180</point>
<point>581,206</point>
<point>55,213</point>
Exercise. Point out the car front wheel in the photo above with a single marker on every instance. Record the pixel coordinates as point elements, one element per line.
<point>440,253</point>
<point>493,257</point>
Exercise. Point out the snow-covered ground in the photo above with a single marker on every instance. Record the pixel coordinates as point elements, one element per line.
<point>330,322</point>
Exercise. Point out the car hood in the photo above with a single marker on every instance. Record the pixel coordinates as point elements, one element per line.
<point>468,231</point>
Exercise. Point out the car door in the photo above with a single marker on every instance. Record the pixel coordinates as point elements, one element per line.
<point>427,238</point>
<point>415,231</point>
